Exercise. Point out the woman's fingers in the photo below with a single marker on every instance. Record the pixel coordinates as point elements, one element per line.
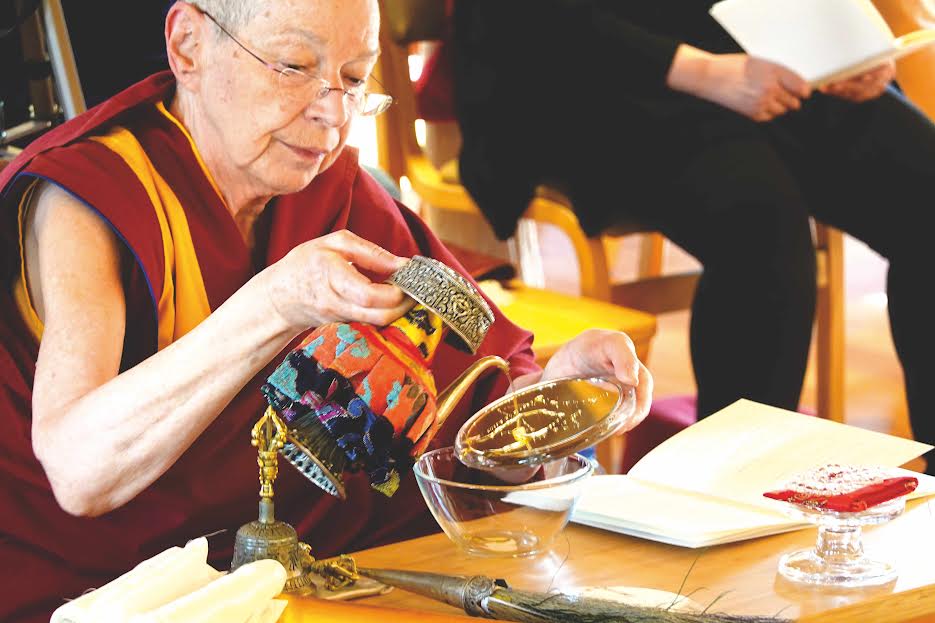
<point>319,282</point>
<point>376,316</point>
<point>644,396</point>
<point>644,399</point>
<point>351,286</point>
<point>794,84</point>
<point>866,86</point>
<point>362,253</point>
<point>622,354</point>
<point>787,100</point>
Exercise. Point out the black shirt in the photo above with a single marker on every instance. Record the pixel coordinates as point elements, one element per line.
<point>541,85</point>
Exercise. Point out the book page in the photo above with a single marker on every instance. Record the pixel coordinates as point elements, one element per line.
<point>748,448</point>
<point>906,44</point>
<point>628,506</point>
<point>815,38</point>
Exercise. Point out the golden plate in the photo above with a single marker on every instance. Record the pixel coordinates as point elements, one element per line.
<point>545,421</point>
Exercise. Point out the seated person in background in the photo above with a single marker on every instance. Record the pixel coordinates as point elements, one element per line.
<point>161,253</point>
<point>725,154</point>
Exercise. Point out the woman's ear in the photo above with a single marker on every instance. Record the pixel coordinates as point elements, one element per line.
<point>186,29</point>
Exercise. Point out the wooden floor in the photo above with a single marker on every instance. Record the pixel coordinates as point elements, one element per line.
<point>874,395</point>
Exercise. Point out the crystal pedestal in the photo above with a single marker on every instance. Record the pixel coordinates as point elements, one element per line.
<point>838,557</point>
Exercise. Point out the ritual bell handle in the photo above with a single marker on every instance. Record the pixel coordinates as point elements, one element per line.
<point>269,437</point>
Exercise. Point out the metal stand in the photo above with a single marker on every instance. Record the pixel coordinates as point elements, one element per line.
<point>45,40</point>
<point>64,69</point>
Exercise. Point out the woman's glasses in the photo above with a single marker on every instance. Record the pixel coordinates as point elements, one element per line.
<point>296,86</point>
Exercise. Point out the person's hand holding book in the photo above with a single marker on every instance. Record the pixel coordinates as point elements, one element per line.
<point>753,87</point>
<point>863,87</point>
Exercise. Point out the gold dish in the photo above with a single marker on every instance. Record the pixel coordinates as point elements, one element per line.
<point>543,422</point>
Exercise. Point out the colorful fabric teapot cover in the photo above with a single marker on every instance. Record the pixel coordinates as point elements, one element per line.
<point>359,397</point>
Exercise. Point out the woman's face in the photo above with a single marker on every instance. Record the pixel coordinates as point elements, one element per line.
<point>275,137</point>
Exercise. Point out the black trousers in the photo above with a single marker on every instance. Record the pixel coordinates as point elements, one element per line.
<point>738,196</point>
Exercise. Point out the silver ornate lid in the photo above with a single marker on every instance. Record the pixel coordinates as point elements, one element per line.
<point>444,291</point>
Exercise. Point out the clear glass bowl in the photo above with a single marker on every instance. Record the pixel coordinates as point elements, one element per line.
<point>487,517</point>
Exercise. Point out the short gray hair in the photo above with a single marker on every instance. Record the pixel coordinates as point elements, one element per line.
<point>231,14</point>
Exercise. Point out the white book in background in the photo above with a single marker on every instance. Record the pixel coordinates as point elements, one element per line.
<point>821,40</point>
<point>704,485</point>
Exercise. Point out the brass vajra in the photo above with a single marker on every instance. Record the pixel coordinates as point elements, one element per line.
<point>268,436</point>
<point>337,572</point>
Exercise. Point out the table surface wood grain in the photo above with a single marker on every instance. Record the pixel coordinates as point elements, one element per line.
<point>741,577</point>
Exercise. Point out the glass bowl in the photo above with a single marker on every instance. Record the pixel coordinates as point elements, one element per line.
<point>485,516</point>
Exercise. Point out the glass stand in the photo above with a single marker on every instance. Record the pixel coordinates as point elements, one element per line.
<point>838,557</point>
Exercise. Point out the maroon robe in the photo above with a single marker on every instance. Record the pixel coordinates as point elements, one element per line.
<point>48,555</point>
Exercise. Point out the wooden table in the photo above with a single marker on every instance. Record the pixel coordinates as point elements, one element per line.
<point>741,576</point>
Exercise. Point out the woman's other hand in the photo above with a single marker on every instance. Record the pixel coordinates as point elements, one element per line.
<point>595,352</point>
<point>599,352</point>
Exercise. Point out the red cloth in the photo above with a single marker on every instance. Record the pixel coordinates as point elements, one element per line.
<point>434,89</point>
<point>854,501</point>
<point>47,555</point>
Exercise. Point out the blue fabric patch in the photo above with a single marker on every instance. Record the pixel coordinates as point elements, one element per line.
<point>358,408</point>
<point>312,346</point>
<point>361,349</point>
<point>284,379</point>
<point>347,335</point>
<point>368,393</point>
<point>392,399</point>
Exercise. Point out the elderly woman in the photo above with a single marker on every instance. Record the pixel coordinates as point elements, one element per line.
<point>162,252</point>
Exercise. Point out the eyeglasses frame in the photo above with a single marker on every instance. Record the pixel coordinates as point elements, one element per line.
<point>385,100</point>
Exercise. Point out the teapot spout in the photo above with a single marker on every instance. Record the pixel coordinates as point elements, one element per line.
<point>449,399</point>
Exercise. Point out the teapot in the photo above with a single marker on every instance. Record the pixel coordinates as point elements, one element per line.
<point>355,397</point>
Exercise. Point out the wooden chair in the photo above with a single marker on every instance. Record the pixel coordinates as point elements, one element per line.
<point>915,73</point>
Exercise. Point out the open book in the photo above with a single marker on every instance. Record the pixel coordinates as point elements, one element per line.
<point>704,485</point>
<point>821,40</point>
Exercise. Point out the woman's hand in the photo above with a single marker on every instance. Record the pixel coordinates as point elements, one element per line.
<point>753,87</point>
<point>863,87</point>
<point>598,352</point>
<point>318,282</point>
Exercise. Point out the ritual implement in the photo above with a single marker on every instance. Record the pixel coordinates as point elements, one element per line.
<point>486,597</point>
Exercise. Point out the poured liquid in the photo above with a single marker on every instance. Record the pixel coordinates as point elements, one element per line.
<point>501,543</point>
<point>511,390</point>
<point>520,433</point>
